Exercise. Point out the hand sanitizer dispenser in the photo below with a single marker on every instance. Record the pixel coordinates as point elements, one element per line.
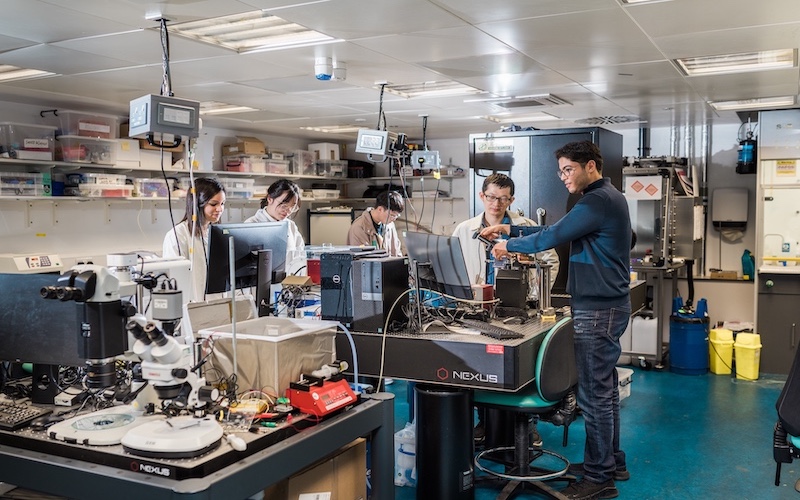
<point>729,209</point>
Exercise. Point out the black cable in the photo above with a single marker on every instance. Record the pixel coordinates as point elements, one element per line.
<point>166,83</point>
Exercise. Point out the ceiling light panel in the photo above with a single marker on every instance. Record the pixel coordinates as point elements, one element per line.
<point>757,103</point>
<point>431,89</point>
<point>222,108</point>
<point>9,73</point>
<point>250,32</point>
<point>738,63</point>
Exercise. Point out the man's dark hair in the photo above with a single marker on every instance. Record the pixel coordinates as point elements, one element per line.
<point>499,180</point>
<point>581,152</point>
<point>391,200</point>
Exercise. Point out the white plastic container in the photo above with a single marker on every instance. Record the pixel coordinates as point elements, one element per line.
<point>150,188</point>
<point>625,376</point>
<point>22,184</point>
<point>105,190</point>
<point>85,149</point>
<point>89,125</point>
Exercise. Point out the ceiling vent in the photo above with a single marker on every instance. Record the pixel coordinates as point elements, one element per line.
<point>608,120</point>
<point>531,101</point>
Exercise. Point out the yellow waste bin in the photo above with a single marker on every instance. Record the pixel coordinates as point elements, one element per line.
<point>748,355</point>
<point>720,350</point>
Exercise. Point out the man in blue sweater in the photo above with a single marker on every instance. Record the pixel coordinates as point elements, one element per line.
<point>599,230</point>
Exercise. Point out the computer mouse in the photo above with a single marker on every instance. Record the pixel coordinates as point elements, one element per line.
<point>45,421</point>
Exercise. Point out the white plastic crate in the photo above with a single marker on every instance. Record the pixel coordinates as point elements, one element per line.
<point>625,376</point>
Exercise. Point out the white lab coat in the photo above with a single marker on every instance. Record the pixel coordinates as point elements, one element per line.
<point>197,257</point>
<point>295,245</point>
<point>475,251</point>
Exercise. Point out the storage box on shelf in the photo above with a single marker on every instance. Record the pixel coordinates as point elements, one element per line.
<point>303,162</point>
<point>95,178</point>
<point>24,184</point>
<point>85,149</point>
<point>245,146</point>
<point>126,152</point>
<point>325,150</point>
<point>242,163</point>
<point>105,190</point>
<point>27,142</point>
<point>238,188</point>
<point>99,126</point>
<point>150,188</point>
<point>331,168</point>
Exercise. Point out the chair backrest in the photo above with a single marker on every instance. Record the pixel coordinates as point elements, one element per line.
<point>556,371</point>
<point>788,404</point>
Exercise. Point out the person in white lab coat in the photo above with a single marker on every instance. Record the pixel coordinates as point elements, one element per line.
<point>497,195</point>
<point>281,203</point>
<point>189,238</point>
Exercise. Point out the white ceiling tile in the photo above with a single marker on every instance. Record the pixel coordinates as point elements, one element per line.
<point>478,11</point>
<point>59,60</point>
<point>44,23</point>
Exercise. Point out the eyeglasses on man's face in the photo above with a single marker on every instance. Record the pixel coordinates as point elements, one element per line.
<point>565,172</point>
<point>504,200</point>
<point>394,215</point>
<point>288,206</point>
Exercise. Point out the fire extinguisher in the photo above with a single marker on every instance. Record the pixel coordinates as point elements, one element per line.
<point>746,163</point>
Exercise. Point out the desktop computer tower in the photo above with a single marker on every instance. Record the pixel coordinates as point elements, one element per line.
<point>359,292</point>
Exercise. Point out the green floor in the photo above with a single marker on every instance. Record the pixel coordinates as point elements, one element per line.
<point>686,437</point>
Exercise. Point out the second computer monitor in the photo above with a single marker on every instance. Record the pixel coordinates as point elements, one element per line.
<point>440,264</point>
<point>248,240</point>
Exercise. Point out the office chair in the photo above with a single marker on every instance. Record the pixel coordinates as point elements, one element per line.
<point>550,397</point>
<point>786,436</point>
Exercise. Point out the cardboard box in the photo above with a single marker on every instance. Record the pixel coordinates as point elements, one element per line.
<point>342,476</point>
<point>244,146</point>
<point>724,275</point>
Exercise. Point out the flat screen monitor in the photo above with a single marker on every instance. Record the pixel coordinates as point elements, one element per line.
<point>248,240</point>
<point>374,142</point>
<point>35,330</point>
<point>440,264</point>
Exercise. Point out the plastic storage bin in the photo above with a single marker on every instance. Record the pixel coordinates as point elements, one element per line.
<point>331,168</point>
<point>238,188</point>
<point>105,190</point>
<point>89,125</point>
<point>23,184</point>
<point>720,351</point>
<point>150,188</point>
<point>27,142</point>
<point>748,355</point>
<point>85,149</point>
<point>325,150</point>
<point>95,178</point>
<point>303,162</point>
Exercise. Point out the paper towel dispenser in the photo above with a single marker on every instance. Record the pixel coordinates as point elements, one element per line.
<point>729,208</point>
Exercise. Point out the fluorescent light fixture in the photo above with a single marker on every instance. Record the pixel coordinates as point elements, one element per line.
<point>532,117</point>
<point>335,129</point>
<point>222,108</point>
<point>643,1</point>
<point>9,73</point>
<point>756,103</point>
<point>739,63</point>
<point>431,89</point>
<point>250,32</point>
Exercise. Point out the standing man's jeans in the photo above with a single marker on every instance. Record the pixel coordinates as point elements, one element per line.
<point>597,350</point>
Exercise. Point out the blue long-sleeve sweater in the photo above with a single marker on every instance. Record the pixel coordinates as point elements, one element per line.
<point>599,230</point>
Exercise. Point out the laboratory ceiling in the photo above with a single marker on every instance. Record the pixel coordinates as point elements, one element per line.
<point>530,63</point>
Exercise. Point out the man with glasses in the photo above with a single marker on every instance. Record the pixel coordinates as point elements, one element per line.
<point>375,227</point>
<point>497,195</point>
<point>598,229</point>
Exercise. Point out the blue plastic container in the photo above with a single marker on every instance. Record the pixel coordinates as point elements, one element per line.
<point>688,339</point>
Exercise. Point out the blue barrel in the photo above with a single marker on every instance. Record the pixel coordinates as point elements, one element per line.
<point>688,344</point>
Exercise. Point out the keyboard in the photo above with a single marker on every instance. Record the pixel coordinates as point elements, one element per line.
<point>490,330</point>
<point>16,416</point>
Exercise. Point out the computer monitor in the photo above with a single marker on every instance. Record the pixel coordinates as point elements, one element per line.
<point>248,240</point>
<point>440,264</point>
<point>35,330</point>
